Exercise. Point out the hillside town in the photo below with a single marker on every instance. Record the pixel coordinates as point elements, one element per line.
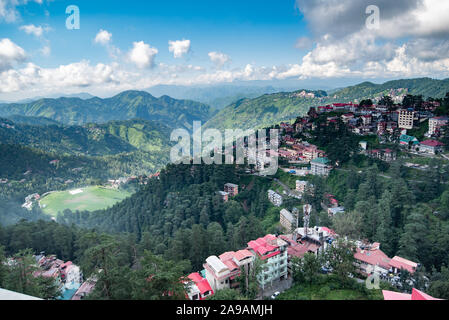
<point>277,252</point>
<point>390,124</point>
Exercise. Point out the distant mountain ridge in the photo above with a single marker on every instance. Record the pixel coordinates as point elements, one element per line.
<point>217,96</point>
<point>124,106</point>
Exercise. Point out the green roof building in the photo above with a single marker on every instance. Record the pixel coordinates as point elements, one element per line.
<point>320,167</point>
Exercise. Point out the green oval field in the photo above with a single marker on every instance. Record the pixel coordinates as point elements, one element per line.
<point>82,199</point>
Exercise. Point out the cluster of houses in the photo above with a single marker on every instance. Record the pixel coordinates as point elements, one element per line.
<point>364,120</point>
<point>429,146</point>
<point>222,272</point>
<point>116,183</point>
<point>67,276</point>
<point>6,125</point>
<point>277,253</point>
<point>30,201</point>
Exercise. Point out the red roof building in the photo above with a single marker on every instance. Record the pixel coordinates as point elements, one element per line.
<point>416,295</point>
<point>265,247</point>
<point>372,260</point>
<point>398,263</point>
<point>199,288</point>
<point>432,143</point>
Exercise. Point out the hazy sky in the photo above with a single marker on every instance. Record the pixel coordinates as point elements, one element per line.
<point>136,44</point>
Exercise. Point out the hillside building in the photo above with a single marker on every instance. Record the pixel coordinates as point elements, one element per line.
<point>231,189</point>
<point>406,118</point>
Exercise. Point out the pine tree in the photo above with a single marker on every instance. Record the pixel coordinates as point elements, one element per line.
<point>384,232</point>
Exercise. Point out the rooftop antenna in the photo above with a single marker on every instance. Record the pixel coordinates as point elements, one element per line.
<point>307,211</point>
<point>296,215</point>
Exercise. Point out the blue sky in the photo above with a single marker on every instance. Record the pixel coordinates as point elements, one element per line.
<point>246,30</point>
<point>219,42</point>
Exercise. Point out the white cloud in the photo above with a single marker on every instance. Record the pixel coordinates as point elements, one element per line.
<point>8,9</point>
<point>412,39</point>
<point>37,31</point>
<point>10,54</point>
<point>179,47</point>
<point>103,37</point>
<point>142,55</point>
<point>219,59</point>
<point>80,74</point>
<point>46,51</point>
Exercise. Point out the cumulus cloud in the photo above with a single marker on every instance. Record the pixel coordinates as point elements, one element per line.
<point>37,31</point>
<point>342,17</point>
<point>103,37</point>
<point>10,54</point>
<point>142,55</point>
<point>80,74</point>
<point>179,47</point>
<point>8,9</point>
<point>412,35</point>
<point>219,59</point>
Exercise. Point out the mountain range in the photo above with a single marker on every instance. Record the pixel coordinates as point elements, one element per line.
<point>249,112</point>
<point>124,106</point>
<point>217,96</point>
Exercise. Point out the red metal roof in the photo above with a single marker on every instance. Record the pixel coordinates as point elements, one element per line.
<point>432,143</point>
<point>373,257</point>
<point>231,265</point>
<point>396,296</point>
<point>416,295</point>
<point>401,263</point>
<point>242,254</point>
<point>201,283</point>
<point>262,246</point>
<point>419,295</point>
<point>297,251</point>
<point>195,277</point>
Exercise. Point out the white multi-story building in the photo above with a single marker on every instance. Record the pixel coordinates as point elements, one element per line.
<point>436,123</point>
<point>72,274</point>
<point>217,273</point>
<point>275,198</point>
<point>273,252</point>
<point>406,118</point>
<point>320,167</point>
<point>221,272</point>
<point>301,186</point>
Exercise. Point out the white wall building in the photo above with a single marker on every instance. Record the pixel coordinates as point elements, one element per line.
<point>273,252</point>
<point>275,198</point>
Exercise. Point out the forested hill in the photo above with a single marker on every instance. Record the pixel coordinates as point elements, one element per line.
<point>111,138</point>
<point>124,106</point>
<point>367,90</point>
<point>35,121</point>
<point>178,209</point>
<point>266,110</point>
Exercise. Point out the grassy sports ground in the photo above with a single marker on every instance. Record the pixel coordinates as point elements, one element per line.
<point>82,199</point>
